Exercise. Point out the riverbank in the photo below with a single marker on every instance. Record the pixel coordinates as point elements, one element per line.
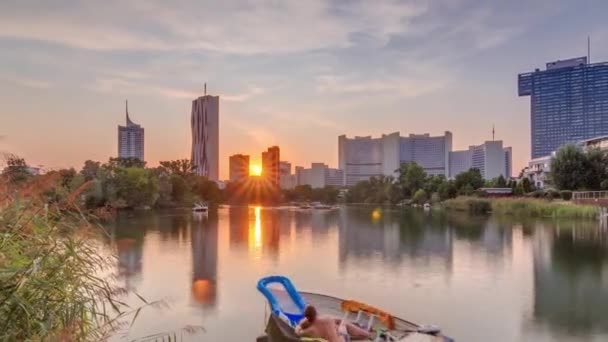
<point>522,207</point>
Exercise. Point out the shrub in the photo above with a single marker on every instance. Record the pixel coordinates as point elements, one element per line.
<point>551,194</point>
<point>566,195</point>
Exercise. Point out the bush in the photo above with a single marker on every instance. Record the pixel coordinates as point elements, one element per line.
<point>566,195</point>
<point>538,194</point>
<point>470,204</point>
<point>551,194</point>
<point>420,197</point>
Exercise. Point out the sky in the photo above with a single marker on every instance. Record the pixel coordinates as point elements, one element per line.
<point>296,74</point>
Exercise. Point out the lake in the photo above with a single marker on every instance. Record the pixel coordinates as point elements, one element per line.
<point>480,278</point>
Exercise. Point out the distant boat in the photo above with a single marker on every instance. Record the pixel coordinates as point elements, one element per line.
<point>200,208</point>
<point>427,206</point>
<point>321,206</point>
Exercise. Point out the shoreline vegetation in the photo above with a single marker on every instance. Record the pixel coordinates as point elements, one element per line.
<point>530,207</point>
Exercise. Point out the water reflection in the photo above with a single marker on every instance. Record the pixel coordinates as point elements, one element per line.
<point>204,240</point>
<point>541,280</point>
<point>571,277</point>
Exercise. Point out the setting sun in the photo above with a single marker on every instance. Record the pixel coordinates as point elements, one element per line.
<point>255,170</point>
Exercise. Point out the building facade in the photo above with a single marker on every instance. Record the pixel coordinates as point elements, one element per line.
<point>568,103</point>
<point>490,158</point>
<point>319,175</point>
<point>130,139</point>
<point>287,180</point>
<point>239,167</point>
<point>538,171</point>
<point>271,161</point>
<point>361,158</point>
<point>205,136</point>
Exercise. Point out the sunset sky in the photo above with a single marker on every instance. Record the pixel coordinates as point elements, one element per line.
<point>291,73</point>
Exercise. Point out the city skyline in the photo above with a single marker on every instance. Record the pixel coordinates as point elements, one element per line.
<point>410,66</point>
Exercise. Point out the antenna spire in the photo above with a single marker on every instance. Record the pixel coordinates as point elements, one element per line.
<point>493,132</point>
<point>588,49</point>
<point>205,89</point>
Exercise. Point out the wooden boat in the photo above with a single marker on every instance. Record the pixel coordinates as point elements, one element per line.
<point>396,329</point>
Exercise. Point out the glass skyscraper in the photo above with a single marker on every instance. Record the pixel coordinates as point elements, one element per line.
<point>569,103</point>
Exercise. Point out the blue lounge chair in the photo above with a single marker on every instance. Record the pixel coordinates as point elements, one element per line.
<point>291,307</point>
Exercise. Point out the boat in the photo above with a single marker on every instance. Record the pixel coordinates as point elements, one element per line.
<point>287,307</point>
<point>200,208</point>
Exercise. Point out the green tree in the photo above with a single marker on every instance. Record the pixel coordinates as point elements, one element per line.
<point>596,169</point>
<point>568,168</point>
<point>471,180</point>
<point>134,187</point>
<point>411,178</point>
<point>420,196</point>
<point>527,186</point>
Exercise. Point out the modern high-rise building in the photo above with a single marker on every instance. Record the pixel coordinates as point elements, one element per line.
<point>490,158</point>
<point>130,139</point>
<point>206,135</point>
<point>569,103</point>
<point>239,167</point>
<point>319,176</point>
<point>287,180</point>
<point>364,157</point>
<point>271,165</point>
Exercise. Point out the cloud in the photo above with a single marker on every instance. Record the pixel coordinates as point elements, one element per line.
<point>27,82</point>
<point>258,27</point>
<point>401,86</point>
<point>242,97</point>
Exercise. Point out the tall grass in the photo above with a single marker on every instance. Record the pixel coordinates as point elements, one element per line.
<point>53,279</point>
<point>542,208</point>
<point>522,207</point>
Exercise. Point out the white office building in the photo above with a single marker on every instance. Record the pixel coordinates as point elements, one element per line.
<point>130,139</point>
<point>361,158</point>
<point>287,180</point>
<point>205,136</point>
<point>490,158</point>
<point>319,175</point>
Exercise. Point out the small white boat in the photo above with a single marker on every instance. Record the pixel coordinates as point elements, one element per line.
<point>200,208</point>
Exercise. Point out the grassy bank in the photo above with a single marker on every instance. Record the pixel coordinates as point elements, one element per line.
<point>522,207</point>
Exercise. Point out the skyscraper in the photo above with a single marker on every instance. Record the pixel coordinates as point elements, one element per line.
<point>569,103</point>
<point>130,139</point>
<point>239,167</point>
<point>270,165</point>
<point>205,135</point>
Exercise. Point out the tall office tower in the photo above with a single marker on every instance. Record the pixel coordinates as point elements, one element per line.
<point>364,157</point>
<point>490,158</point>
<point>130,139</point>
<point>206,135</point>
<point>239,167</point>
<point>270,165</point>
<point>569,103</point>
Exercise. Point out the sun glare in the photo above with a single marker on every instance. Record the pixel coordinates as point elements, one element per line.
<point>255,170</point>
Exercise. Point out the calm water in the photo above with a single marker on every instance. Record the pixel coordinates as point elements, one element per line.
<point>479,278</point>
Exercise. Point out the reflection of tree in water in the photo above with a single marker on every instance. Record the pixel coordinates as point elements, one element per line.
<point>467,227</point>
<point>239,226</point>
<point>204,237</point>
<point>571,278</point>
<point>393,234</point>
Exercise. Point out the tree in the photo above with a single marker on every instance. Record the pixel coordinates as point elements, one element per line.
<point>471,180</point>
<point>568,168</point>
<point>90,169</point>
<point>526,186</point>
<point>411,178</point>
<point>596,171</point>
<point>420,196</point>
<point>134,187</point>
<point>127,162</point>
<point>181,167</point>
<point>16,169</point>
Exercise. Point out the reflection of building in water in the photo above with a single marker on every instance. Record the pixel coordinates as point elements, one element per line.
<point>239,226</point>
<point>571,279</point>
<point>361,237</point>
<point>130,252</point>
<point>204,261</point>
<point>256,229</point>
